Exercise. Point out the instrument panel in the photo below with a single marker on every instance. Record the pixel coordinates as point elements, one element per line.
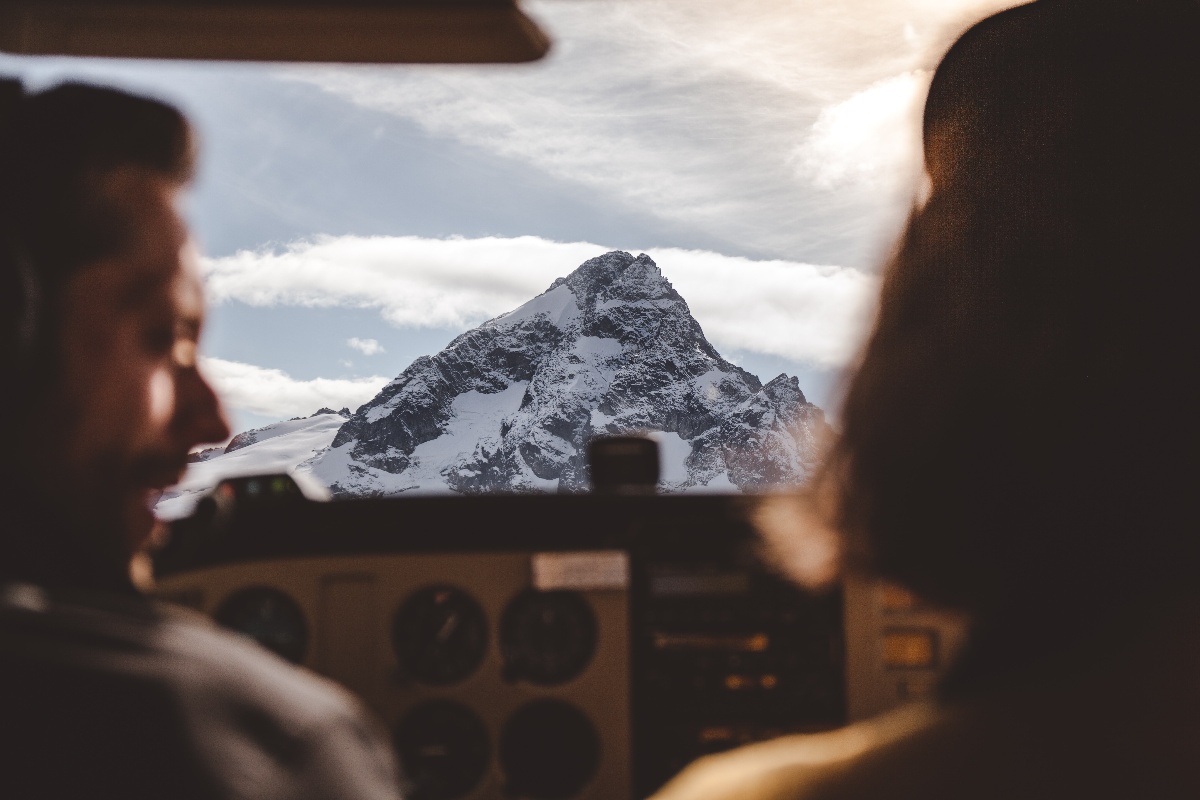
<point>549,647</point>
<point>489,686</point>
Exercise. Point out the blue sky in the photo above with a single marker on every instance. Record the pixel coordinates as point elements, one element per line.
<point>763,152</point>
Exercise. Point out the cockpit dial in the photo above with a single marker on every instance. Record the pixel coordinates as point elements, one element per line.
<point>549,750</point>
<point>440,635</point>
<point>547,638</point>
<point>269,617</point>
<point>444,749</point>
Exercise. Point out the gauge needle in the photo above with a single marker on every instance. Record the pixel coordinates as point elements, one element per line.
<point>447,629</point>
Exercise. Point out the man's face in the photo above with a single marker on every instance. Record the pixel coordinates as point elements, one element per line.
<point>129,402</point>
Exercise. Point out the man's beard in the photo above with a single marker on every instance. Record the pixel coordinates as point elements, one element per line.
<point>113,502</point>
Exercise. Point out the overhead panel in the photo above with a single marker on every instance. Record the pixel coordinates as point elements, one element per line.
<point>346,31</point>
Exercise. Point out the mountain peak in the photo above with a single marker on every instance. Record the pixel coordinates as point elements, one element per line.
<point>609,348</point>
<point>597,276</point>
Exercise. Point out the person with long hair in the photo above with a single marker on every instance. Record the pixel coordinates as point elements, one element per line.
<point>1019,438</point>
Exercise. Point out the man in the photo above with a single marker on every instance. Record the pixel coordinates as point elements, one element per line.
<point>105,693</point>
<point>1019,441</point>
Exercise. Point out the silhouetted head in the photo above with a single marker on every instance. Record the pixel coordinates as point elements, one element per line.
<point>1022,426</point>
<point>102,311</point>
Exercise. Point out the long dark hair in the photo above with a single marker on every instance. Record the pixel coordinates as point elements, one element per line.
<point>1023,422</point>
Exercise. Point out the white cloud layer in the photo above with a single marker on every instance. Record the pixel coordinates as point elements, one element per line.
<point>693,112</point>
<point>803,312</point>
<point>368,347</point>
<point>274,393</point>
<point>808,313</point>
<point>872,138</point>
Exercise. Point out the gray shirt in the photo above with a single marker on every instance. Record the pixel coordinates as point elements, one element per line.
<point>111,696</point>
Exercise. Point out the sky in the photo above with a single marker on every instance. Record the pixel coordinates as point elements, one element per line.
<point>763,152</point>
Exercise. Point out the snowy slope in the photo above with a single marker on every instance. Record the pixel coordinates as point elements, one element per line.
<point>610,348</point>
<point>282,447</point>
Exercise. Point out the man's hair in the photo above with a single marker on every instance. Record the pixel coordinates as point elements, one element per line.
<point>55,145</point>
<point>1023,423</point>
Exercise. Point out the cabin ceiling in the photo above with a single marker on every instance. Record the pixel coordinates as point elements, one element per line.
<point>347,31</point>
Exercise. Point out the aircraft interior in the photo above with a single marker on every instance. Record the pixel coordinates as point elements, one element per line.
<point>510,653</point>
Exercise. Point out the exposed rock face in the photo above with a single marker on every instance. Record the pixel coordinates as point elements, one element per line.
<point>204,455</point>
<point>611,348</point>
<point>243,439</point>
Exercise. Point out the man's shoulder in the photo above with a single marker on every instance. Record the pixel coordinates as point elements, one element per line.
<point>87,681</point>
<point>183,651</point>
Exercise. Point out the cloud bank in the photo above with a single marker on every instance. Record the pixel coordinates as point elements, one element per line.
<point>274,393</point>
<point>804,312</point>
<point>871,138</point>
<point>697,113</point>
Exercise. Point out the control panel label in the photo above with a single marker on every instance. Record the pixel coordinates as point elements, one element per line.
<point>581,571</point>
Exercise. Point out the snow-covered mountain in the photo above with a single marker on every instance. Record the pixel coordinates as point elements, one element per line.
<point>281,447</point>
<point>611,348</point>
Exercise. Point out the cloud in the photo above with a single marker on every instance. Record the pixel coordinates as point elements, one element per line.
<point>274,393</point>
<point>874,137</point>
<point>687,115</point>
<point>805,312</point>
<point>368,347</point>
<point>692,112</point>
<point>411,281</point>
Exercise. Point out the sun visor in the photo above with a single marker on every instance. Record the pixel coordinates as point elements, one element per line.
<point>354,31</point>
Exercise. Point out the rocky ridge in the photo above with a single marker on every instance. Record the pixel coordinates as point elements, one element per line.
<point>610,348</point>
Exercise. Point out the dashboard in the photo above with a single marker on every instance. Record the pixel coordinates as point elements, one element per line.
<point>550,647</point>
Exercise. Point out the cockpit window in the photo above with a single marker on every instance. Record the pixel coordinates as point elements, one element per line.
<point>449,278</point>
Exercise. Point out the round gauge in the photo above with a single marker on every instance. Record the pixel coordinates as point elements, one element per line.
<point>440,635</point>
<point>548,751</point>
<point>547,638</point>
<point>444,750</point>
<point>269,617</point>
